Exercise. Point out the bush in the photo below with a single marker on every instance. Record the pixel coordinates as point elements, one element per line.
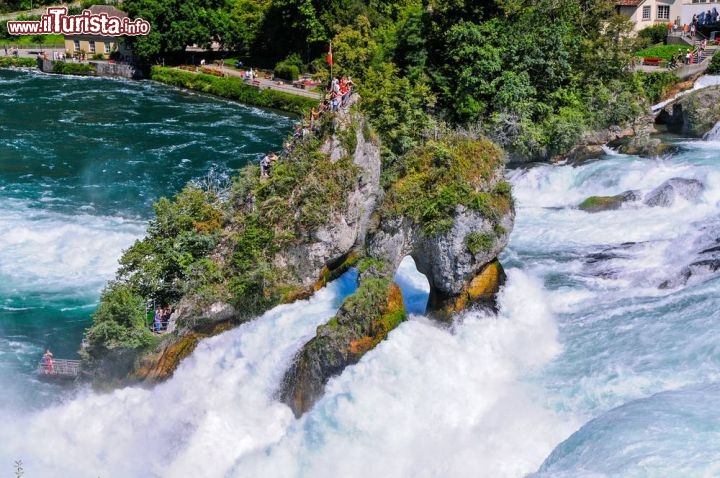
<point>64,68</point>
<point>7,61</point>
<point>287,71</point>
<point>714,66</point>
<point>119,321</point>
<point>654,34</point>
<point>656,85</point>
<point>98,56</point>
<point>477,242</point>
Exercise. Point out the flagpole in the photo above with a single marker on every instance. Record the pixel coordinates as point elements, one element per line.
<point>331,64</point>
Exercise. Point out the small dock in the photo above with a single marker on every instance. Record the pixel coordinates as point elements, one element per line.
<point>59,368</point>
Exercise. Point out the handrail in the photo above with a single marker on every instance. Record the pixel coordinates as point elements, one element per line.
<point>60,367</point>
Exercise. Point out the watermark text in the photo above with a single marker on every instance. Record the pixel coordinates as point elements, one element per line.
<point>57,21</point>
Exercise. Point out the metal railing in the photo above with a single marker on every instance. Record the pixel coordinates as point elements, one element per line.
<point>60,368</point>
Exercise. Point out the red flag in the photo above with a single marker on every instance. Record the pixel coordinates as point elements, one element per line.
<point>329,55</point>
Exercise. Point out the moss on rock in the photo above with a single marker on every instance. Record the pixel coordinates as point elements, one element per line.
<point>363,321</point>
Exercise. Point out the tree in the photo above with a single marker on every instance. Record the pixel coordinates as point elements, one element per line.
<point>354,48</point>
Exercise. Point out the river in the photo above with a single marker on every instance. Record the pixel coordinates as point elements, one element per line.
<point>589,368</point>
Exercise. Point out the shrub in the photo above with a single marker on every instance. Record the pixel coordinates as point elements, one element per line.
<point>98,56</point>
<point>64,68</point>
<point>7,61</point>
<point>656,85</point>
<point>287,71</point>
<point>654,34</point>
<point>119,321</point>
<point>714,66</point>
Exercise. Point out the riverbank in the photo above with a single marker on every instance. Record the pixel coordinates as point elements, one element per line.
<point>233,89</point>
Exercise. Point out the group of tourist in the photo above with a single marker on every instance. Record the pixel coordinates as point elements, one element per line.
<point>705,18</point>
<point>161,319</point>
<point>12,51</point>
<point>686,58</point>
<point>336,98</point>
<point>689,30</point>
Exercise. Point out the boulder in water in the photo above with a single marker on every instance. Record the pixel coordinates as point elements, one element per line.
<point>664,195</point>
<point>694,114</point>
<point>608,203</point>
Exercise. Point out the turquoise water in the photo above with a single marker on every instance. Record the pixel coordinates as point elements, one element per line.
<point>589,369</point>
<point>81,162</point>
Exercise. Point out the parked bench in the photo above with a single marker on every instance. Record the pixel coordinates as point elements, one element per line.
<point>652,61</point>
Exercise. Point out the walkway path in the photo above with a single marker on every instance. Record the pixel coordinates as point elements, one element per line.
<point>266,83</point>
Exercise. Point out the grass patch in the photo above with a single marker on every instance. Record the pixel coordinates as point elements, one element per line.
<point>659,51</point>
<point>51,40</point>
<point>233,89</point>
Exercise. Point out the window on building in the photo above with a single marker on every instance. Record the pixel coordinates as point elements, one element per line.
<point>646,12</point>
<point>92,46</point>
<point>663,12</point>
<point>107,47</point>
<point>77,45</point>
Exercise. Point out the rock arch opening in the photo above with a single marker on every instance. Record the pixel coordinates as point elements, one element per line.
<point>414,285</point>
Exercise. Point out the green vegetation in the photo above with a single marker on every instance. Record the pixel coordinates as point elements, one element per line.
<point>657,85</point>
<point>659,51</point>
<point>119,321</point>
<point>654,34</point>
<point>26,40</point>
<point>601,203</point>
<point>256,219</point>
<point>714,67</point>
<point>233,89</point>
<point>64,68</point>
<point>289,68</point>
<point>477,241</point>
<point>431,180</point>
<point>304,192</point>
<point>530,84</point>
<point>7,61</point>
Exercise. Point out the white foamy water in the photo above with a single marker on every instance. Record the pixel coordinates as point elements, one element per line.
<point>432,402</point>
<point>45,251</point>
<point>421,404</point>
<point>589,368</point>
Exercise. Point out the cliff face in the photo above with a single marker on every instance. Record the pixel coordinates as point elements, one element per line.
<point>329,205</point>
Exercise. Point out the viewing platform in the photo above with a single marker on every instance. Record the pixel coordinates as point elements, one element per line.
<point>59,368</point>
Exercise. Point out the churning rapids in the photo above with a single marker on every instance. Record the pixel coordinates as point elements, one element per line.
<point>589,369</point>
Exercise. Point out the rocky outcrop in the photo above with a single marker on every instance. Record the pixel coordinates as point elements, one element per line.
<point>454,245</point>
<point>665,194</point>
<point>364,319</point>
<point>445,204</point>
<point>331,243</point>
<point>635,139</point>
<point>694,114</point>
<point>608,203</point>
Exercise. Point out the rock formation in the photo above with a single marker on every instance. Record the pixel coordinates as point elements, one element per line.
<point>693,114</point>
<point>329,205</point>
